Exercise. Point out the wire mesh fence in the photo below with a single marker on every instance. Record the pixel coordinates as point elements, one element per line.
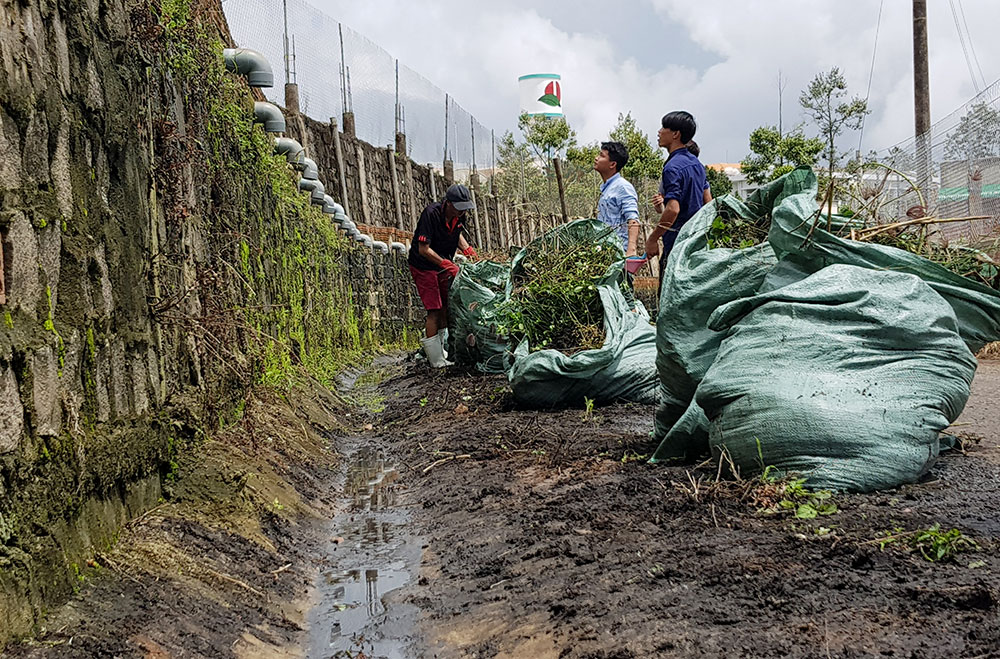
<point>952,172</point>
<point>338,69</point>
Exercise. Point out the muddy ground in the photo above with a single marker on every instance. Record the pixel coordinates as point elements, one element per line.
<point>487,531</point>
<point>551,540</point>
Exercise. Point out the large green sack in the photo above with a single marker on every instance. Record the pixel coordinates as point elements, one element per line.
<point>475,295</point>
<point>807,249</point>
<point>622,369</point>
<point>845,378</point>
<point>696,281</point>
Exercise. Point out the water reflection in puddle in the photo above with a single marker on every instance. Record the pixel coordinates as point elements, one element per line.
<point>372,553</point>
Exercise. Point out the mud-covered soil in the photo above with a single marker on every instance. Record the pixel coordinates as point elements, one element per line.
<point>535,535</point>
<point>224,566</point>
<point>547,536</point>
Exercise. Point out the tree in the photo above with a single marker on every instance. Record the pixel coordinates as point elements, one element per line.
<point>718,182</point>
<point>976,136</point>
<point>644,162</point>
<point>773,154</point>
<point>547,136</point>
<point>822,103</point>
<point>899,159</point>
<point>510,156</point>
<point>517,172</point>
<point>583,156</point>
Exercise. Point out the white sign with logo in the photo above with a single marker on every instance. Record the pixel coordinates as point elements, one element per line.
<point>541,94</point>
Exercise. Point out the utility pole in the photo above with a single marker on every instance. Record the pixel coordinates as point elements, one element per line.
<point>921,96</point>
<point>343,77</point>
<point>284,12</point>
<point>448,164</point>
<point>291,88</point>
<point>781,135</point>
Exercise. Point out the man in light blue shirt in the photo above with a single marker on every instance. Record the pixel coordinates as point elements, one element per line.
<point>619,204</point>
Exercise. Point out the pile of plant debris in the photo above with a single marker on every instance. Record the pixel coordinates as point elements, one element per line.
<point>554,301</point>
<point>971,263</point>
<point>729,231</point>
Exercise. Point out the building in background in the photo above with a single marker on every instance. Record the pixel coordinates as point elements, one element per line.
<point>970,188</point>
<point>742,188</point>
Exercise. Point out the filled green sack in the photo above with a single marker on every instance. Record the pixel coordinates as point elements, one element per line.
<point>622,369</point>
<point>475,295</point>
<point>845,378</point>
<point>799,237</point>
<point>696,281</point>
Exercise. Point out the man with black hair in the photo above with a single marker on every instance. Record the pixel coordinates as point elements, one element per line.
<point>683,186</point>
<point>619,204</point>
<point>435,241</point>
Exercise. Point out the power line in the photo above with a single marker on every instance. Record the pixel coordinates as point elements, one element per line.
<point>972,47</point>
<point>871,73</point>
<point>965,49</point>
<point>944,124</point>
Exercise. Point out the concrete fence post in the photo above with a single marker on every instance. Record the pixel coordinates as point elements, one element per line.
<point>394,176</point>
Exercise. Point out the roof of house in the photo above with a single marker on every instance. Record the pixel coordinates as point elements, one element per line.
<point>723,166</point>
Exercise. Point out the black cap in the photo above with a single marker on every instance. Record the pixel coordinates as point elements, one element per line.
<point>460,197</point>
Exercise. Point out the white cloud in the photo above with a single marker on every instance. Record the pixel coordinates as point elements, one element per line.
<point>476,51</point>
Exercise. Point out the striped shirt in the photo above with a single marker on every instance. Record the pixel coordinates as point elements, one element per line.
<point>619,203</point>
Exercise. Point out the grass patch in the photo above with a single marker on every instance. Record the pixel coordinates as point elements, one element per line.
<point>932,543</point>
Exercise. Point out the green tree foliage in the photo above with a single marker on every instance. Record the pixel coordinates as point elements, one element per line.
<point>976,136</point>
<point>547,136</point>
<point>511,157</point>
<point>773,154</point>
<point>899,159</point>
<point>583,156</point>
<point>644,161</point>
<point>518,166</point>
<point>823,103</point>
<point>718,182</point>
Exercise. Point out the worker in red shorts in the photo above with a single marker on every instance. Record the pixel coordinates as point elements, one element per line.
<point>438,236</point>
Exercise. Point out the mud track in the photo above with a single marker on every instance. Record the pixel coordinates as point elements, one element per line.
<point>553,540</point>
<point>479,530</point>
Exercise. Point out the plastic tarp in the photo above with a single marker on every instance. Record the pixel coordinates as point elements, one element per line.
<point>845,377</point>
<point>475,295</point>
<point>807,249</point>
<point>622,369</point>
<point>696,281</point>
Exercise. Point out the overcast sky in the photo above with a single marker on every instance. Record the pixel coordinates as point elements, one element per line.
<point>718,59</point>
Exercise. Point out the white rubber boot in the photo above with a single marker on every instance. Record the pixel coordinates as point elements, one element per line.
<point>435,353</point>
<point>444,342</point>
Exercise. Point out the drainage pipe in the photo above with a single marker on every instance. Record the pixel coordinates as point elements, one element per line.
<point>309,169</point>
<point>314,188</point>
<point>253,65</point>
<point>270,115</point>
<point>291,149</point>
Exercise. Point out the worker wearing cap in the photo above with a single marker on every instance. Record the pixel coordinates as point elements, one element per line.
<point>438,236</point>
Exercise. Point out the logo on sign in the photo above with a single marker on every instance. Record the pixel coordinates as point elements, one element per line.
<point>552,95</point>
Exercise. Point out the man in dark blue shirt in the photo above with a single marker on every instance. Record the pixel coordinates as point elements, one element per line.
<point>684,184</point>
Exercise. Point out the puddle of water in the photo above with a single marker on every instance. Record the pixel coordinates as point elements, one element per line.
<point>377,555</point>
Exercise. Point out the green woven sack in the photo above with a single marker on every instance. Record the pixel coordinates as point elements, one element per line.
<point>696,281</point>
<point>799,238</point>
<point>846,377</point>
<point>622,369</point>
<point>475,295</point>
